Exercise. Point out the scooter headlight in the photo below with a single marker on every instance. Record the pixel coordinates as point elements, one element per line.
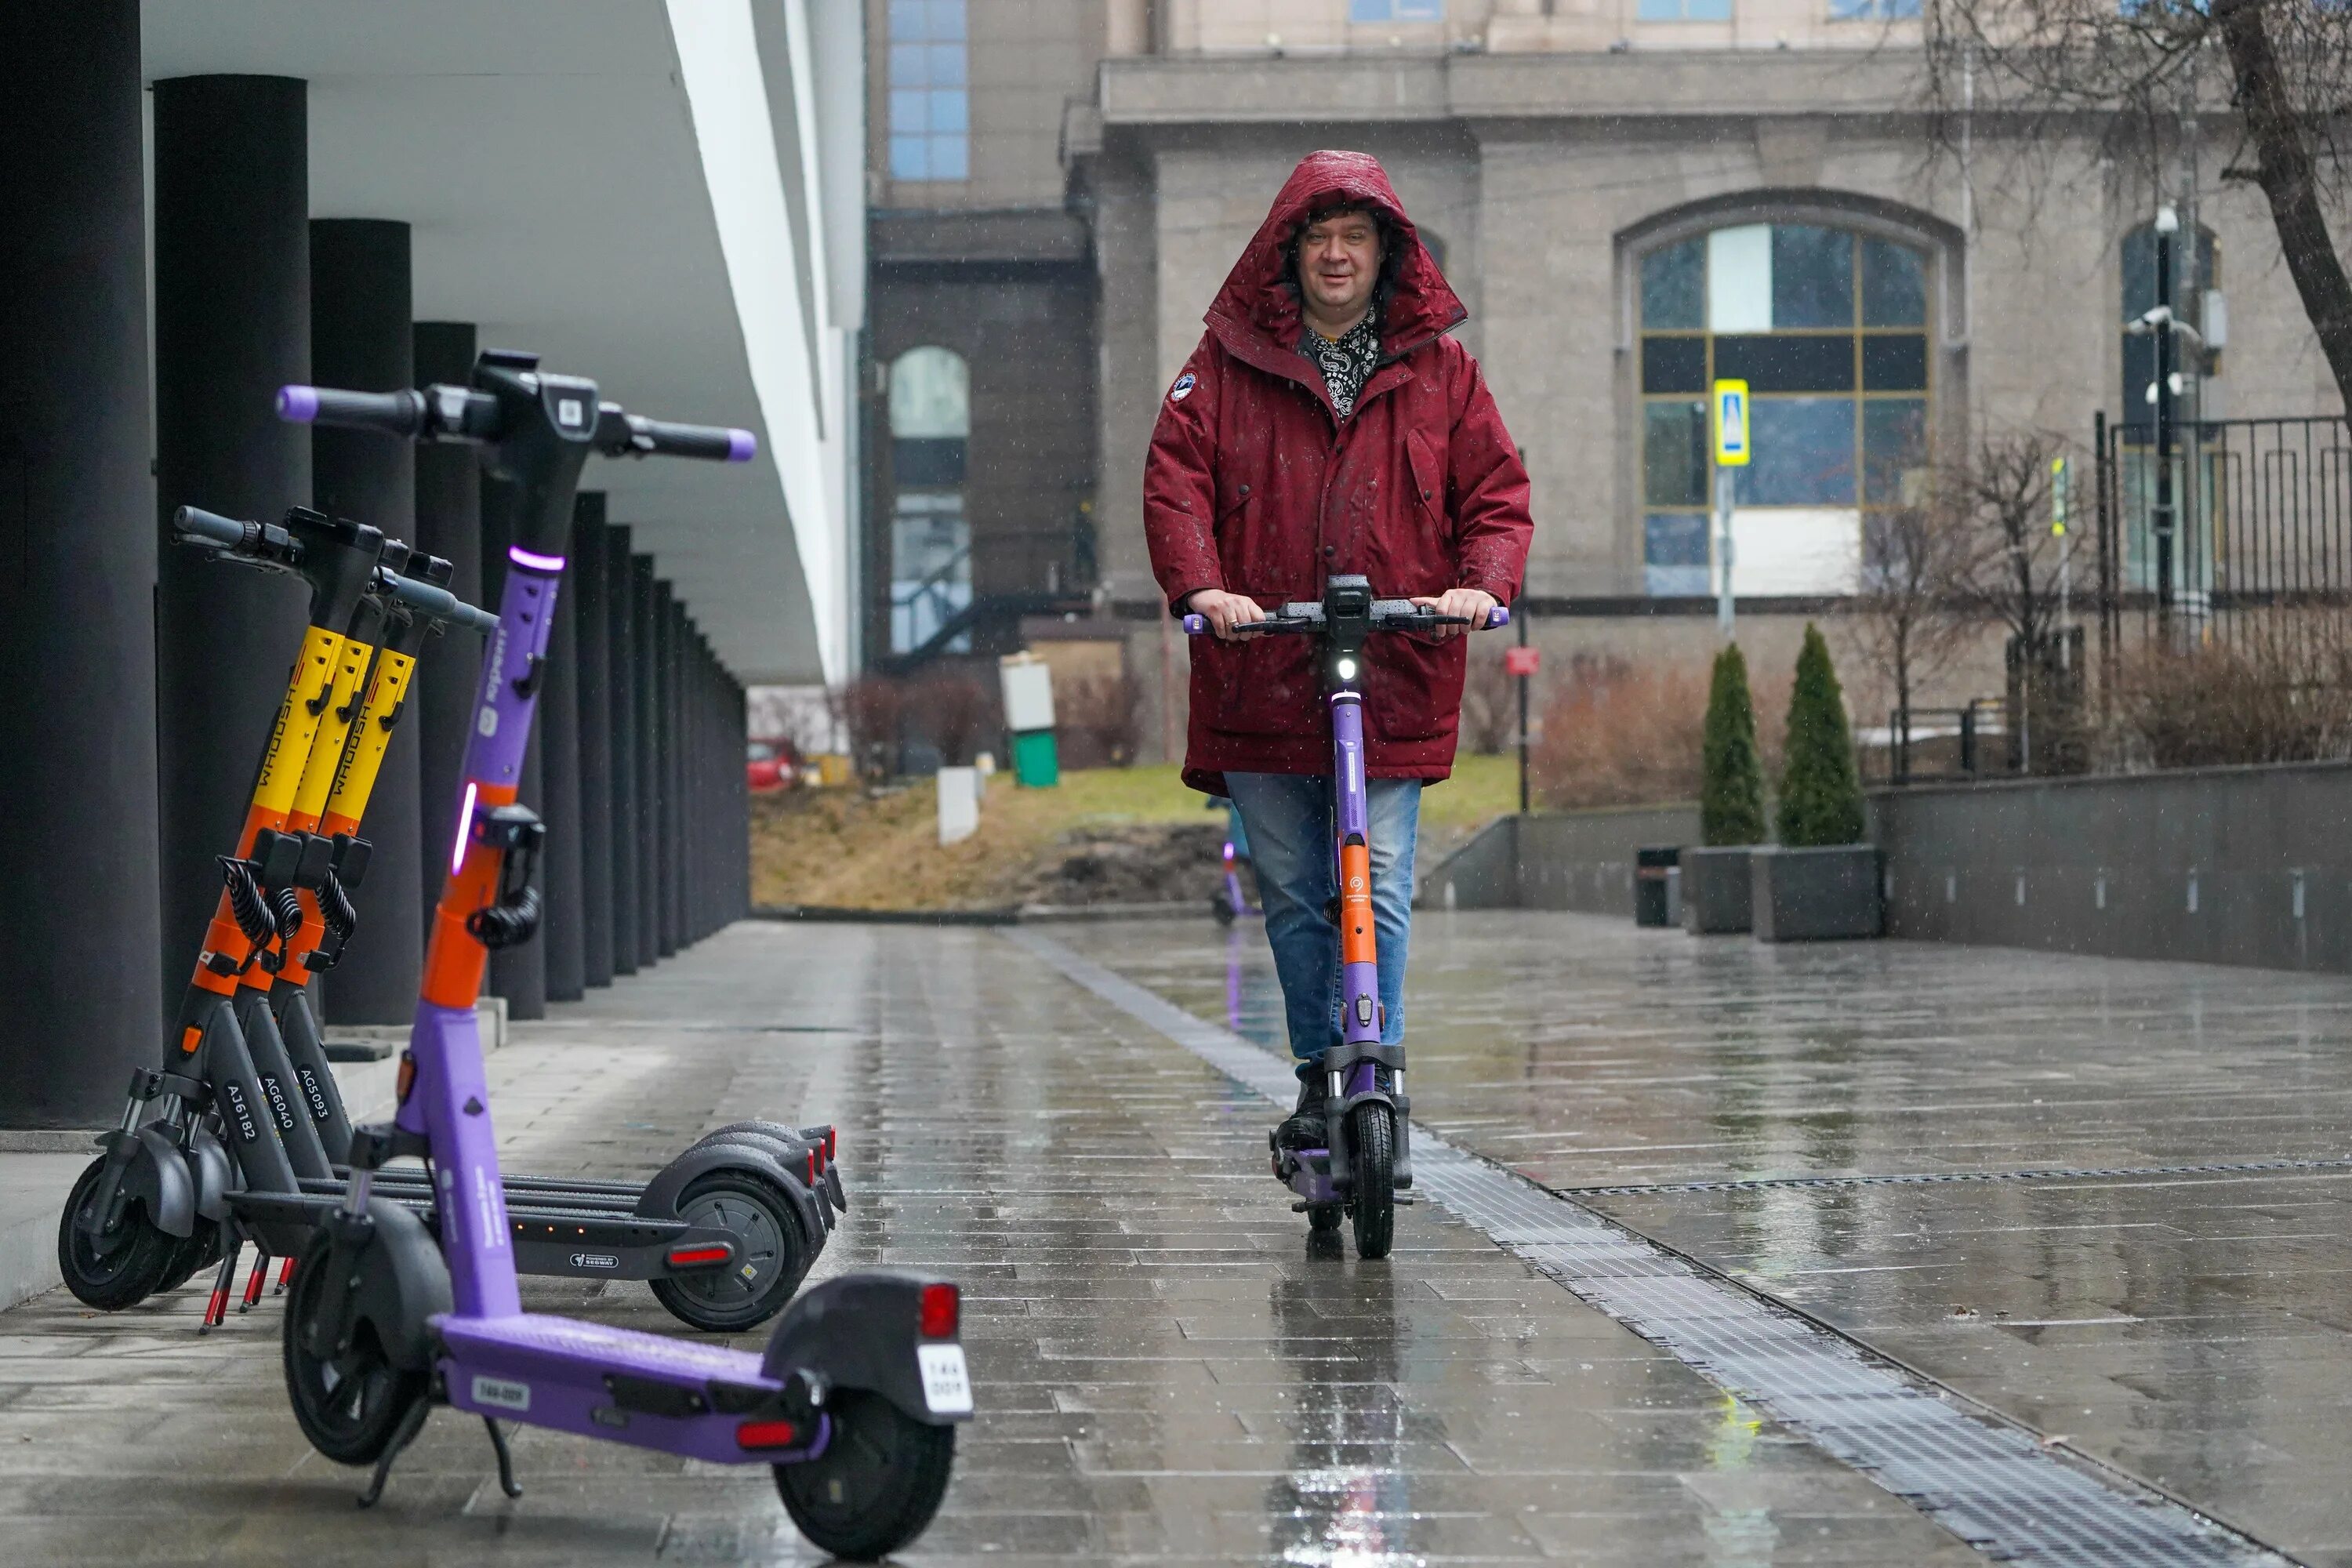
<point>1347,669</point>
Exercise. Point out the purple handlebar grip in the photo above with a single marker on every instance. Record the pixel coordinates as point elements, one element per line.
<point>297,405</point>
<point>742,446</point>
<point>1498,618</point>
<point>1195,625</point>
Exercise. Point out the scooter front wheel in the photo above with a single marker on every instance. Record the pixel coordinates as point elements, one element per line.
<point>111,1272</point>
<point>772,1255</point>
<point>1372,1205</point>
<point>878,1483</point>
<point>350,1406</point>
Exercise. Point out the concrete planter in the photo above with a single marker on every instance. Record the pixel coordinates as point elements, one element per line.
<point>1715,898</point>
<point>1815,895</point>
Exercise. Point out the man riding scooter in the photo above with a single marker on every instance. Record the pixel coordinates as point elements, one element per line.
<point>1329,424</point>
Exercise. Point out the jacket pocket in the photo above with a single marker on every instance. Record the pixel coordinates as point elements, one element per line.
<point>1426,471</point>
<point>1413,690</point>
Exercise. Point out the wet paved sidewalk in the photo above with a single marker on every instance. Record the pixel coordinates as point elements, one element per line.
<point>2180,1317</point>
<point>1166,1371</point>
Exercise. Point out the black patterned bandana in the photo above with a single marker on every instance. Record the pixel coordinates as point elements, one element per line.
<point>1347,362</point>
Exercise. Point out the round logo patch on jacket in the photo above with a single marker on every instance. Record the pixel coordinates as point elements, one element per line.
<point>1182,389</point>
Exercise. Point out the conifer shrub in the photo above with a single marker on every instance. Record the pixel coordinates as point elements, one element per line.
<point>1821,793</point>
<point>1731,776</point>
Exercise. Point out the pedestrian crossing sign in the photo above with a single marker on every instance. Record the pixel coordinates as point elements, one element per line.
<point>1730,424</point>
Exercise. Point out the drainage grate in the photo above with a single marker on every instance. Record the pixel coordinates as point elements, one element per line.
<point>1992,1484</point>
<point>1932,1178</point>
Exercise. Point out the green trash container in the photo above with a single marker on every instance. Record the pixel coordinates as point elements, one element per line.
<point>1036,761</point>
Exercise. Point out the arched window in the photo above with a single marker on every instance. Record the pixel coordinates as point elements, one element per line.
<point>1830,329</point>
<point>930,538</point>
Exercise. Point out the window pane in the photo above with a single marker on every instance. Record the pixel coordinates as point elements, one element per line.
<point>1739,279</point>
<point>909,64</point>
<point>1674,364</point>
<point>947,112</point>
<point>950,158</point>
<point>1420,10</point>
<point>1896,362</point>
<point>1674,555</point>
<point>1893,284</point>
<point>1673,453</point>
<point>1707,10</point>
<point>947,20</point>
<point>927,462</point>
<point>909,20</point>
<point>1803,453</point>
<point>946,64</point>
<point>1659,11</point>
<point>1673,287</point>
<point>1895,451</point>
<point>1812,276</point>
<point>910,111</point>
<point>1793,364</point>
<point>907,159</point>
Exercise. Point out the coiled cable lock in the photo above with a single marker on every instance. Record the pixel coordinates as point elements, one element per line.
<point>512,919</point>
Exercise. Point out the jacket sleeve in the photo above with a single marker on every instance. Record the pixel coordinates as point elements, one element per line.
<point>1487,488</point>
<point>1180,481</point>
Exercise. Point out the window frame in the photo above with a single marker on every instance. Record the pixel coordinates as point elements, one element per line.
<point>1942,264</point>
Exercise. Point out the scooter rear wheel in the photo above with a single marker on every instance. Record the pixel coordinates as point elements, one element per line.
<point>200,1249</point>
<point>111,1272</point>
<point>1372,1205</point>
<point>878,1483</point>
<point>348,1406</point>
<point>768,1239</point>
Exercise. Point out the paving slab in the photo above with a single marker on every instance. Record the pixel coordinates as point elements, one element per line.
<point>1879,1133</point>
<point>1168,1370</point>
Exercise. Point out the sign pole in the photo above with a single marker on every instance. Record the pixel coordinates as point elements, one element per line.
<point>1731,451</point>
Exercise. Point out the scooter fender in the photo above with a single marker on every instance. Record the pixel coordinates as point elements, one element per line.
<point>402,1284</point>
<point>208,1163</point>
<point>659,1200</point>
<point>789,1156</point>
<point>861,1331</point>
<point>155,1174</point>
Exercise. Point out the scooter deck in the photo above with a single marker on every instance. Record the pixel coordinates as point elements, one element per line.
<point>561,1242</point>
<point>675,1395</point>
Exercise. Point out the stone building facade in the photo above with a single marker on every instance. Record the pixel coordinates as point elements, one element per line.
<point>1633,196</point>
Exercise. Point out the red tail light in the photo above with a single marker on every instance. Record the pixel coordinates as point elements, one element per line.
<point>687,1257</point>
<point>832,1144</point>
<point>942,1310</point>
<point>765,1435</point>
<point>811,1167</point>
<point>405,1078</point>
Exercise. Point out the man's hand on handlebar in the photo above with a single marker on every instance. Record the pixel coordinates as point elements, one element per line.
<point>1472,604</point>
<point>1228,615</point>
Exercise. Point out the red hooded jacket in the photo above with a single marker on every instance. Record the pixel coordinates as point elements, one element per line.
<point>1255,486</point>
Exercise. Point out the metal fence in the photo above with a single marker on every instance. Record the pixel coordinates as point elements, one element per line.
<point>2258,533</point>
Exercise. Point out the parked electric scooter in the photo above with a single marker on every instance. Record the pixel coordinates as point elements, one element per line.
<point>724,1234</point>
<point>1368,1154</point>
<point>855,1400</point>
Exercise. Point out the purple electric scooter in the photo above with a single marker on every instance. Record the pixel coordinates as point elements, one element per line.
<point>1367,1158</point>
<point>855,1400</point>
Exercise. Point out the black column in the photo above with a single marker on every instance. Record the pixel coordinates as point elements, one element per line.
<point>77,601</point>
<point>557,733</point>
<point>448,523</point>
<point>666,803</point>
<point>232,326</point>
<point>620,668</point>
<point>592,637</point>
<point>517,973</point>
<point>649,696</point>
<point>736,708</point>
<point>361,336</point>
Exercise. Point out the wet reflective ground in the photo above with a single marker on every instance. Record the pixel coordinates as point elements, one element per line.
<point>2188,1327</point>
<point>1166,1371</point>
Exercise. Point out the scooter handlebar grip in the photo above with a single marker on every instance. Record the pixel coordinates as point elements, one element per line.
<point>1195,625</point>
<point>716,443</point>
<point>392,412</point>
<point>198,523</point>
<point>1498,617</point>
<point>438,603</point>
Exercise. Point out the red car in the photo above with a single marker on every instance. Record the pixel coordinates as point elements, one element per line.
<point>768,767</point>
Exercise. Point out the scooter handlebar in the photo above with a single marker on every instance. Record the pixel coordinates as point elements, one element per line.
<point>622,434</point>
<point>1308,616</point>
<point>438,603</point>
<point>398,413</point>
<point>259,543</point>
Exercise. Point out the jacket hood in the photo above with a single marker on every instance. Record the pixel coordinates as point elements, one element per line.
<point>1257,309</point>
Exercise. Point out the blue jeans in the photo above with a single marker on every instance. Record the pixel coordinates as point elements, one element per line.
<point>1288,816</point>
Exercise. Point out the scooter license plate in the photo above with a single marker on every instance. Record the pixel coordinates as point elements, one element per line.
<point>947,1388</point>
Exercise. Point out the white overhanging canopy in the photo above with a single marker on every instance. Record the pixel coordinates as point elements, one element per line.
<point>622,186</point>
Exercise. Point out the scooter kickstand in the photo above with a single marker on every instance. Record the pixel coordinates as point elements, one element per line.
<point>216,1307</point>
<point>254,1281</point>
<point>403,1435</point>
<point>507,1483</point>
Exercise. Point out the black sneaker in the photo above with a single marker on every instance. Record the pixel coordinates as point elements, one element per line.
<point>1303,1127</point>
